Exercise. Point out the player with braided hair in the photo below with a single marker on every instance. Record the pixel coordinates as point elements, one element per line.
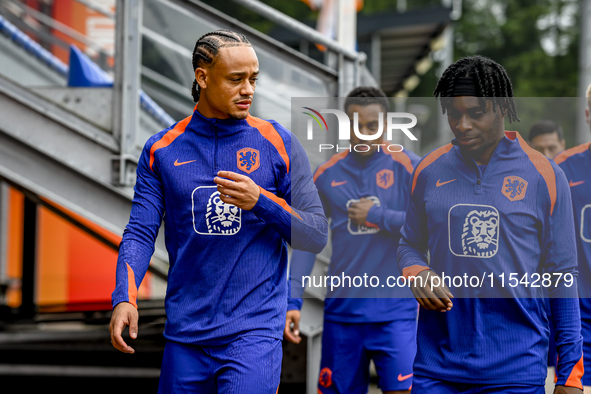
<point>487,204</point>
<point>487,76</point>
<point>236,190</point>
<point>207,48</point>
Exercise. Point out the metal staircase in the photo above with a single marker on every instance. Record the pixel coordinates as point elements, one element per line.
<point>75,150</point>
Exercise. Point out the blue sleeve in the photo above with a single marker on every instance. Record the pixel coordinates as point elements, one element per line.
<point>301,265</point>
<point>386,219</point>
<point>137,244</point>
<point>389,219</point>
<point>569,342</point>
<point>559,256</point>
<point>412,250</point>
<point>296,211</point>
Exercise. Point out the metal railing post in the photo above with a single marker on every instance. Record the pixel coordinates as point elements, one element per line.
<point>28,306</point>
<point>349,60</point>
<point>128,19</point>
<point>298,27</point>
<point>3,236</point>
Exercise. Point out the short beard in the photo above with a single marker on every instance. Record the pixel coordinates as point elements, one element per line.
<point>238,116</point>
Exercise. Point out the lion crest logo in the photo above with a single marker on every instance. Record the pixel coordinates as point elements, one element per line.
<point>480,233</point>
<point>585,230</point>
<point>385,178</point>
<point>356,229</point>
<point>212,216</point>
<point>473,230</point>
<point>248,159</point>
<point>221,218</point>
<point>514,188</point>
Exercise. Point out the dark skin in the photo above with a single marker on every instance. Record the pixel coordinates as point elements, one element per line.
<point>478,131</point>
<point>368,117</point>
<point>368,125</point>
<point>227,89</point>
<point>438,299</point>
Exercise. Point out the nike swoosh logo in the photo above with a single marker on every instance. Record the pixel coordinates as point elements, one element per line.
<point>573,184</point>
<point>400,377</point>
<point>335,183</point>
<point>443,183</point>
<point>176,163</point>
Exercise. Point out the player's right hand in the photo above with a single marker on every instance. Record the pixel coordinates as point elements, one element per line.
<point>438,299</point>
<point>123,315</point>
<point>292,326</point>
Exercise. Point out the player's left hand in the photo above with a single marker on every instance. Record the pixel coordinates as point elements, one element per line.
<point>358,210</point>
<point>238,190</point>
<point>429,296</point>
<point>292,326</point>
<point>567,390</point>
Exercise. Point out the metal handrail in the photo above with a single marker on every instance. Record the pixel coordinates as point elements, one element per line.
<point>48,21</point>
<point>8,29</point>
<point>300,28</point>
<point>97,8</point>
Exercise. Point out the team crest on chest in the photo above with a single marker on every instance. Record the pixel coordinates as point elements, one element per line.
<point>356,229</point>
<point>385,178</point>
<point>248,159</point>
<point>514,188</point>
<point>585,232</point>
<point>473,230</point>
<point>212,216</point>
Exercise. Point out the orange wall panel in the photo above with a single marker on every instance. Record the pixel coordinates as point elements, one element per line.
<point>62,12</point>
<point>96,27</point>
<point>72,266</point>
<point>52,259</point>
<point>91,273</point>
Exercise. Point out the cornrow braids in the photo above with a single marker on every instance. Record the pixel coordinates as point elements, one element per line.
<point>492,82</point>
<point>208,47</point>
<point>367,95</point>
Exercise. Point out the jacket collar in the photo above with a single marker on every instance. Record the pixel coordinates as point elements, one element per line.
<point>209,127</point>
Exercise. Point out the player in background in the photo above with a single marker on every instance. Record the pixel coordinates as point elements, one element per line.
<point>365,196</point>
<point>575,163</point>
<point>488,204</point>
<point>547,137</point>
<point>235,189</point>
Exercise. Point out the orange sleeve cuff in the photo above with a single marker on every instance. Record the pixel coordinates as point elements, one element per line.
<point>131,287</point>
<point>576,375</point>
<point>279,201</point>
<point>413,270</point>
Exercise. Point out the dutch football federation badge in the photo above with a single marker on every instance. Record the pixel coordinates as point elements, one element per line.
<point>248,159</point>
<point>385,178</point>
<point>514,188</point>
